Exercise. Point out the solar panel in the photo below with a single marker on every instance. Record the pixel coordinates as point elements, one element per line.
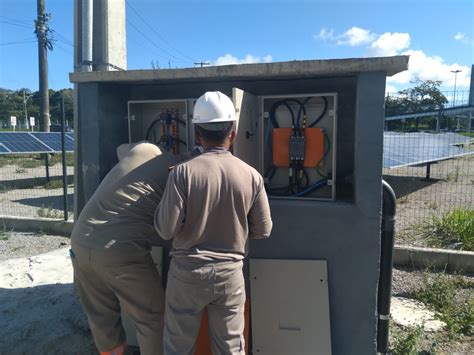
<point>405,149</point>
<point>53,140</point>
<point>3,149</point>
<point>22,143</point>
<point>34,142</point>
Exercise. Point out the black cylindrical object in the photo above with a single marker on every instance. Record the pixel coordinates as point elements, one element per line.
<point>63,151</point>
<point>386,262</point>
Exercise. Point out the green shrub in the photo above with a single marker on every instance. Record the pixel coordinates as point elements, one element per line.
<point>407,341</point>
<point>451,297</point>
<point>53,184</point>
<point>49,212</point>
<point>455,228</point>
<point>29,163</point>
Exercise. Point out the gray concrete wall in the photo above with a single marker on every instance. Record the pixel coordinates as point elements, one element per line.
<point>345,232</point>
<point>101,121</point>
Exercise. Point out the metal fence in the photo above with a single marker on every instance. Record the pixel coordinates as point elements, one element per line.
<point>31,185</point>
<point>442,180</point>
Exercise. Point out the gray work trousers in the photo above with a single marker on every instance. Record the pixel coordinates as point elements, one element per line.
<point>193,286</point>
<point>108,281</point>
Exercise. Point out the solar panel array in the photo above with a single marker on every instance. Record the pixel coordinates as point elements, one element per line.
<point>407,149</point>
<point>34,142</point>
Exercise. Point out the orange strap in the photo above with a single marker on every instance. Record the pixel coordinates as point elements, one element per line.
<point>119,350</point>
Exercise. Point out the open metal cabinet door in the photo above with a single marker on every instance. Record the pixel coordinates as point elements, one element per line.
<point>247,144</point>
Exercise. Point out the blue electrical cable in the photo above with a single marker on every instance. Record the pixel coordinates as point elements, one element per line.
<point>313,187</point>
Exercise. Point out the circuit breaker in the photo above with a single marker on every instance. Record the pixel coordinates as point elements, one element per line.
<point>299,141</point>
<point>165,123</point>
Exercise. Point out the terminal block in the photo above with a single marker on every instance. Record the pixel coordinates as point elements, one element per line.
<point>287,147</point>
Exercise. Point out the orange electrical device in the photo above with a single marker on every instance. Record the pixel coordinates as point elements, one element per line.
<point>314,147</point>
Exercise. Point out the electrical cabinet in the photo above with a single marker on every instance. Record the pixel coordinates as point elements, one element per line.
<point>165,123</point>
<point>291,141</point>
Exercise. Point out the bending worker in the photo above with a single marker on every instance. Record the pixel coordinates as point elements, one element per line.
<point>210,207</point>
<point>110,251</point>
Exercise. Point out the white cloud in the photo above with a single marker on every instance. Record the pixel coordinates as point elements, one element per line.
<point>325,34</point>
<point>427,67</point>
<point>228,59</point>
<point>389,44</point>
<point>459,36</point>
<point>463,38</point>
<point>389,89</point>
<point>355,36</point>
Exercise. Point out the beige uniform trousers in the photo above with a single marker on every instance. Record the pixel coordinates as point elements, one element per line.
<point>193,286</point>
<point>108,281</point>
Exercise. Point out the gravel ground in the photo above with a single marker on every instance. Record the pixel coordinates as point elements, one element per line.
<point>36,201</point>
<point>17,245</point>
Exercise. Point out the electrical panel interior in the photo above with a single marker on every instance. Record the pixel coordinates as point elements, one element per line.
<point>161,122</point>
<point>299,140</point>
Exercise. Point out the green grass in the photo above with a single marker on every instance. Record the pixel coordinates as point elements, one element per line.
<point>53,184</point>
<point>453,229</point>
<point>29,163</point>
<point>49,212</point>
<point>406,341</point>
<point>451,297</point>
<point>468,134</point>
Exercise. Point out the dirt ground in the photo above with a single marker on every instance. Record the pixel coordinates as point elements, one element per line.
<point>39,310</point>
<point>41,314</point>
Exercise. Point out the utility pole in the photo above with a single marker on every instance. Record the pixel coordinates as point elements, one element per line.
<point>42,31</point>
<point>454,95</point>
<point>25,100</point>
<point>455,78</point>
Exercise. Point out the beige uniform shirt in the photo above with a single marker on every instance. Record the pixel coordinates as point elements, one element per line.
<point>122,207</point>
<point>211,205</point>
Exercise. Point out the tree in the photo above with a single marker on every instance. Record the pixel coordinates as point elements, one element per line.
<point>424,96</point>
<point>11,104</point>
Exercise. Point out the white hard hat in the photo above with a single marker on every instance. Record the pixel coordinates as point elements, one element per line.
<point>213,107</point>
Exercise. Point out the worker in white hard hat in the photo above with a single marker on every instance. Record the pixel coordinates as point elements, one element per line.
<point>110,251</point>
<point>210,207</point>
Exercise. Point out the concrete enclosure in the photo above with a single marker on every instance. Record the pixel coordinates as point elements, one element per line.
<point>343,231</point>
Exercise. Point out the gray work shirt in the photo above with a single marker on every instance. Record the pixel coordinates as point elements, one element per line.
<point>122,207</point>
<point>210,207</point>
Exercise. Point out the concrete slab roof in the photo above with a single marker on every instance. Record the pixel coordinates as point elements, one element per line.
<point>287,70</point>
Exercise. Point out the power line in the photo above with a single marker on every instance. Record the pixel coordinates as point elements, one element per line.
<point>16,24</point>
<point>147,45</point>
<point>17,42</point>
<point>16,20</point>
<point>63,39</point>
<point>154,44</point>
<point>160,36</point>
<point>66,50</point>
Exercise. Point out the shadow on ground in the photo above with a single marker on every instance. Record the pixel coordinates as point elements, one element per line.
<point>405,185</point>
<point>54,202</point>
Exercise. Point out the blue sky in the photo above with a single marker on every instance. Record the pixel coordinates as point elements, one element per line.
<point>439,35</point>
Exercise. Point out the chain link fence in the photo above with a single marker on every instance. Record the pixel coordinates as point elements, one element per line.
<point>31,185</point>
<point>435,186</point>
